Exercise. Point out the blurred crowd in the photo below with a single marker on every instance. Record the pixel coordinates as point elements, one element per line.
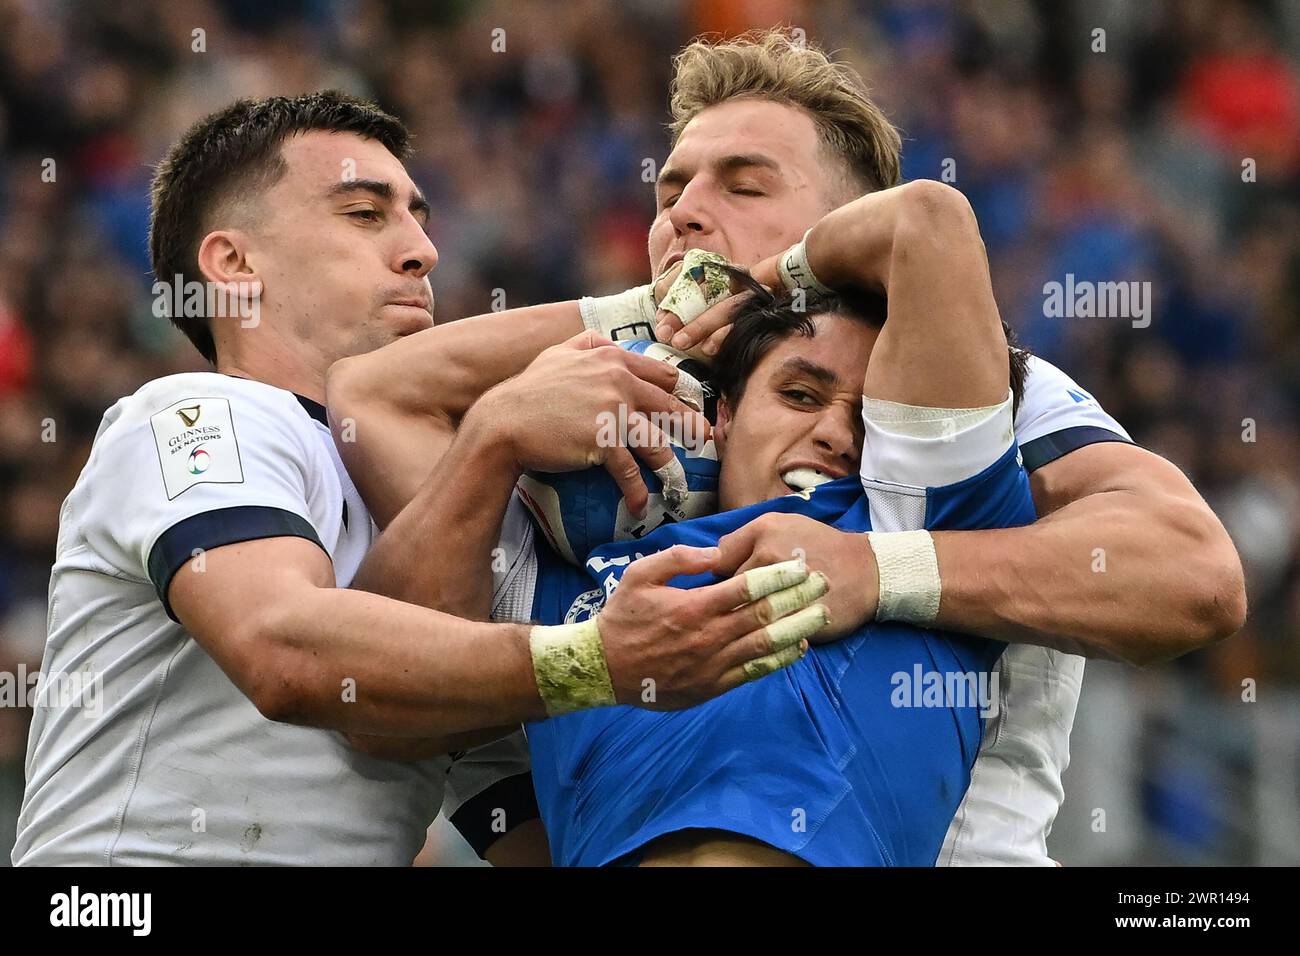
<point>1156,142</point>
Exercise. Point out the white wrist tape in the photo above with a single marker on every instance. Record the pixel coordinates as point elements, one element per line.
<point>570,668</point>
<point>625,316</point>
<point>795,272</point>
<point>909,576</point>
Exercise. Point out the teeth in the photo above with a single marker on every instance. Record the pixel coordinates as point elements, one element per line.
<point>804,478</point>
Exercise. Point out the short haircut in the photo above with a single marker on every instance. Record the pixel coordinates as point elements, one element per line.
<point>762,322</point>
<point>774,65</point>
<point>231,154</point>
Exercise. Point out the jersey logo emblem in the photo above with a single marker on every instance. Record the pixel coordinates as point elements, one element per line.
<point>585,606</point>
<point>195,441</point>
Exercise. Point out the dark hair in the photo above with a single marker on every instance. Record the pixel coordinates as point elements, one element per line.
<point>238,150</point>
<point>765,320</point>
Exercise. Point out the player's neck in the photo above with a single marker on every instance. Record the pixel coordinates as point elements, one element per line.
<point>278,370</point>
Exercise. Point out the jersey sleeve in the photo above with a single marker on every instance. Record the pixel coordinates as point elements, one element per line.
<point>490,791</point>
<point>198,464</point>
<point>1057,417</point>
<point>514,566</point>
<point>942,469</point>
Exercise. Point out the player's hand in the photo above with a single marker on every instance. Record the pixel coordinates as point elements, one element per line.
<point>565,411</point>
<point>702,337</point>
<point>669,648</point>
<point>845,558</point>
<point>764,272</point>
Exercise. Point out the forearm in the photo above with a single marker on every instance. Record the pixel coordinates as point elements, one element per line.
<point>364,664</point>
<point>395,411</point>
<point>1116,575</point>
<point>457,512</point>
<point>422,748</point>
<point>918,232</point>
<point>919,244</point>
<point>442,371</point>
<point>853,245</point>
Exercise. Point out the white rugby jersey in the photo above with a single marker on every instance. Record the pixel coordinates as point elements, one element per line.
<point>1015,786</point>
<point>1015,789</point>
<point>161,759</point>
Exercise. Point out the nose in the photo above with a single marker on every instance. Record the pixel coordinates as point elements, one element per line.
<point>838,433</point>
<point>417,254</point>
<point>691,212</point>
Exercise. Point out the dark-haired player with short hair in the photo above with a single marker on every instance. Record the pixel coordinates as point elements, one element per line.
<point>213,579</point>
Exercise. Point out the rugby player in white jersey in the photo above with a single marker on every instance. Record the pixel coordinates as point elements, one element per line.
<point>770,139</point>
<point>246,691</point>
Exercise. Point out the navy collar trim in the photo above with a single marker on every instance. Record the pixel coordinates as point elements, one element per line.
<point>312,407</point>
<point>315,409</point>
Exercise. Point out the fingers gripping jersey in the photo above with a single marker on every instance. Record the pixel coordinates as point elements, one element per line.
<point>857,754</point>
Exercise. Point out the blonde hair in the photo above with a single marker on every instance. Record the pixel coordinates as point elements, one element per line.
<point>773,65</point>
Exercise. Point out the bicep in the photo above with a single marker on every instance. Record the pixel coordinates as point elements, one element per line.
<point>1113,466</point>
<point>389,452</point>
<point>221,597</point>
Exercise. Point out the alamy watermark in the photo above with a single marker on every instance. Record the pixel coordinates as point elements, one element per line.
<point>83,690</point>
<point>1084,299</point>
<point>632,429</point>
<point>213,300</point>
<point>922,688</point>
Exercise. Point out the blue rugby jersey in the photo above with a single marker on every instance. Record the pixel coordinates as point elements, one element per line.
<point>848,757</point>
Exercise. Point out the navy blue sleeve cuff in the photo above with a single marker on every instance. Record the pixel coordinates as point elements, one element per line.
<point>511,800</point>
<point>214,529</point>
<point>1045,450</point>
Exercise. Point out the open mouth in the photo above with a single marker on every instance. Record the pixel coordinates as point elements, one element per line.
<point>803,479</point>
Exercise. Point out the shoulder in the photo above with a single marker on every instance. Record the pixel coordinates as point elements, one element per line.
<point>1045,384</point>
<point>162,393</point>
<point>203,400</point>
<point>201,425</point>
<point>1058,415</point>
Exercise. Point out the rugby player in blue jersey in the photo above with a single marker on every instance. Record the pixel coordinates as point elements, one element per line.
<point>818,762</point>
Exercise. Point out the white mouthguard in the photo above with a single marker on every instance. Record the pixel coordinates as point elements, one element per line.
<point>805,478</point>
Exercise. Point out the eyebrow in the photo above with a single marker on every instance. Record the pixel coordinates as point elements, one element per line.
<point>675,176</point>
<point>418,206</point>
<point>797,364</point>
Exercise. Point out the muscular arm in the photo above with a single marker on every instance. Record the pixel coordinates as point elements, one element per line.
<point>394,414</point>
<point>942,344</point>
<point>269,614</point>
<point>450,528</point>
<point>417,390</point>
<point>1127,562</point>
<point>1172,580</point>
